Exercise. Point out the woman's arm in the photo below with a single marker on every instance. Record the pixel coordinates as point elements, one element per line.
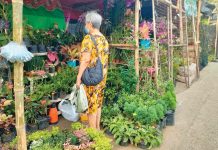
<point>84,62</point>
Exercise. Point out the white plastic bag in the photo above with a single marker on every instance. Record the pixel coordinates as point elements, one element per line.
<point>68,110</point>
<point>78,97</point>
<point>15,52</point>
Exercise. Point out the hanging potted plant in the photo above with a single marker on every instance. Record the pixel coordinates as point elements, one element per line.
<point>144,32</point>
<point>52,61</point>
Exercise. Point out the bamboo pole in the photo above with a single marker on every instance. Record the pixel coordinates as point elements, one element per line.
<point>18,76</point>
<point>168,49</point>
<point>187,51</point>
<point>197,43</point>
<point>181,22</point>
<point>216,40</point>
<point>171,40</point>
<point>137,5</point>
<point>155,42</point>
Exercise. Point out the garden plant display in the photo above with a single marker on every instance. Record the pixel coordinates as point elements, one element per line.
<point>78,138</point>
<point>137,112</point>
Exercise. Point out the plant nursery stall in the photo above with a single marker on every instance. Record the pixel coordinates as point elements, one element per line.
<point>150,48</point>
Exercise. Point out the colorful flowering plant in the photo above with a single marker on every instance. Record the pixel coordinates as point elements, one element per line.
<point>145,29</point>
<point>53,59</point>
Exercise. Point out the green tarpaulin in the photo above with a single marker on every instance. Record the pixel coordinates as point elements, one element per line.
<point>40,18</point>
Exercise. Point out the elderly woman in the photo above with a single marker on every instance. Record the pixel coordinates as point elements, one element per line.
<point>88,58</point>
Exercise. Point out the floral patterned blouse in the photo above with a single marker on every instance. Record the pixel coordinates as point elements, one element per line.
<point>95,93</point>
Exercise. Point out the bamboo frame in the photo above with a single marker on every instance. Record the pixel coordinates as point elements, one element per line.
<point>137,5</point>
<point>18,76</point>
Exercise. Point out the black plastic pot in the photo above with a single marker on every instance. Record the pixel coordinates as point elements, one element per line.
<point>55,95</point>
<point>33,49</point>
<point>122,143</point>
<point>50,48</point>
<point>108,132</point>
<point>170,118</point>
<point>142,145</point>
<point>8,137</point>
<point>32,127</point>
<point>42,48</point>
<point>43,122</point>
<point>1,131</point>
<point>51,69</point>
<point>27,42</point>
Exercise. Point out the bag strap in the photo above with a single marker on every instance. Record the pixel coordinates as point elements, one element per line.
<point>95,43</point>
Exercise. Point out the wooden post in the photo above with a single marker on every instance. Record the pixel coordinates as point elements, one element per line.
<point>137,5</point>
<point>197,43</point>
<point>216,40</point>
<point>155,42</point>
<point>18,76</point>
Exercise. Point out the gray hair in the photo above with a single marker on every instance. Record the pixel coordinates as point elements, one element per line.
<point>94,18</point>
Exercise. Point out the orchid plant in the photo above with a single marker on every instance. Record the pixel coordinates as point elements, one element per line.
<point>145,29</point>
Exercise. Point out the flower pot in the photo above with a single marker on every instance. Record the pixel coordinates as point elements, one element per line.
<point>145,44</point>
<point>108,132</point>
<point>43,122</point>
<point>1,131</point>
<point>33,49</point>
<point>50,48</point>
<point>6,138</point>
<point>170,118</point>
<point>27,42</point>
<point>123,143</point>
<point>41,48</point>
<point>142,145</point>
<point>164,122</point>
<point>32,127</point>
<point>51,69</point>
<point>72,63</point>
<point>55,96</point>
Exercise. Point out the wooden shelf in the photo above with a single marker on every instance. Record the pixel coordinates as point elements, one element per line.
<point>40,54</point>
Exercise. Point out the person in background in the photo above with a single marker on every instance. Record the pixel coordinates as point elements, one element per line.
<point>88,58</point>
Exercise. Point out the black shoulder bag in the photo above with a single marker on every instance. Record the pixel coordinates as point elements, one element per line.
<point>94,75</point>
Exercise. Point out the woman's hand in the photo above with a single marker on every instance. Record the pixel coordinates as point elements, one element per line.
<point>78,83</point>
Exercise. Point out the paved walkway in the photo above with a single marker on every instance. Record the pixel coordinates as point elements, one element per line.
<point>196,125</point>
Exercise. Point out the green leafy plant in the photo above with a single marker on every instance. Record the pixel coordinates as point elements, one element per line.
<point>77,126</point>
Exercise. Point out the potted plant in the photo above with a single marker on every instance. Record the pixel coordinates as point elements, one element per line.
<point>30,115</point>
<point>6,123</point>
<point>71,54</point>
<point>40,35</point>
<point>144,32</point>
<point>52,61</point>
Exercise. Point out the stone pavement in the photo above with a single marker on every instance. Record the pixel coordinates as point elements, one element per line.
<point>196,125</point>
